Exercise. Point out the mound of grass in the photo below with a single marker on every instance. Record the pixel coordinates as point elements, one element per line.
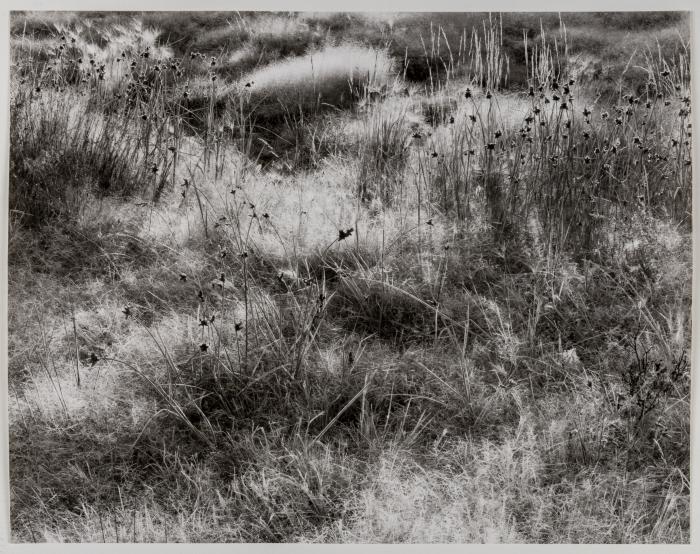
<point>182,29</point>
<point>334,76</point>
<point>39,24</point>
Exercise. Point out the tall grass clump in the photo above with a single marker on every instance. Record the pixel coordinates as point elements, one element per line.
<point>63,153</point>
<point>383,151</point>
<point>569,162</point>
<point>471,149</point>
<point>98,120</point>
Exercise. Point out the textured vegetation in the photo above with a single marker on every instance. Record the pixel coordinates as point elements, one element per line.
<point>348,278</point>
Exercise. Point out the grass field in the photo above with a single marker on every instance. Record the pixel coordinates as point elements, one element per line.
<point>334,277</point>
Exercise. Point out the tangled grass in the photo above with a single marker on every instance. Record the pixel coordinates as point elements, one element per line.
<point>336,305</point>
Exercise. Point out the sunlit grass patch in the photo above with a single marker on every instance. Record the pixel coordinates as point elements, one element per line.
<point>334,76</point>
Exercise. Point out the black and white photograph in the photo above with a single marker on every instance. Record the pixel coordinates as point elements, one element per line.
<point>373,277</point>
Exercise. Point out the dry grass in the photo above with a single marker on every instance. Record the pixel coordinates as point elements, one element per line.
<point>336,307</point>
<point>334,76</point>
